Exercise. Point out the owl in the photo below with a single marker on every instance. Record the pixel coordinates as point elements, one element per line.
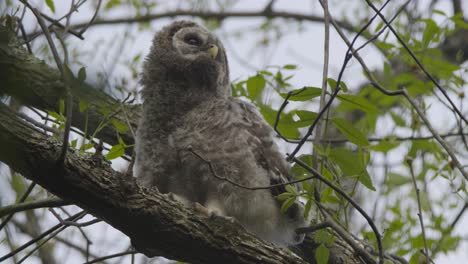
<point>194,140</point>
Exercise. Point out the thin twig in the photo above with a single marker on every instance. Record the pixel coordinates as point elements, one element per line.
<point>348,57</point>
<point>450,228</point>
<point>23,33</point>
<point>38,124</point>
<point>111,256</point>
<point>22,199</point>
<point>378,236</point>
<point>74,246</point>
<point>40,244</point>
<point>280,111</point>
<point>59,25</point>
<point>20,207</point>
<point>83,30</point>
<point>409,161</point>
<point>344,234</point>
<point>384,138</point>
<point>397,13</point>
<point>313,228</point>
<point>213,172</point>
<point>413,56</point>
<point>44,234</point>
<point>326,59</point>
<point>211,15</point>
<point>68,99</point>
<point>402,92</point>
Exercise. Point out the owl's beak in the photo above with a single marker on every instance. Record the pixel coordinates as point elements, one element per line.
<point>213,51</point>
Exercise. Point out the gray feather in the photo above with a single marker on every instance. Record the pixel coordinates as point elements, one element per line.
<point>188,108</point>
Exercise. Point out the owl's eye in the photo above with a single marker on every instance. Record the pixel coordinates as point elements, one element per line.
<point>192,40</point>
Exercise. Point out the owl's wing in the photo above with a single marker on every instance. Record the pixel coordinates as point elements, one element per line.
<point>266,153</point>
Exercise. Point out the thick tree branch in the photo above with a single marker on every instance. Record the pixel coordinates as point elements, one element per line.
<point>155,224</point>
<point>36,84</point>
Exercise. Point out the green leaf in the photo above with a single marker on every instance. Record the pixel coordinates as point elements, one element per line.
<point>286,204</point>
<point>322,236</point>
<point>18,185</point>
<point>50,4</point>
<point>350,101</point>
<point>111,4</point>
<point>291,189</point>
<point>366,180</point>
<point>136,58</point>
<point>399,121</point>
<point>285,125</point>
<point>68,74</point>
<point>322,253</point>
<point>82,74</point>
<point>290,67</point>
<point>284,196</point>
<point>87,146</point>
<point>305,95</point>
<point>73,143</point>
<point>56,115</point>
<point>379,26</point>
<point>329,196</point>
<point>350,132</point>
<point>280,80</point>
<point>267,73</point>
<point>83,106</point>
<point>385,145</point>
<point>255,86</point>
<point>305,118</point>
<point>440,12</point>
<point>298,171</point>
<point>352,165</point>
<point>61,106</point>
<point>307,207</point>
<point>121,142</point>
<point>332,83</point>
<point>119,125</point>
<point>115,152</point>
<point>431,31</point>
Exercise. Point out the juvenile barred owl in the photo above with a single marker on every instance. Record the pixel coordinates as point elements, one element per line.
<point>193,133</point>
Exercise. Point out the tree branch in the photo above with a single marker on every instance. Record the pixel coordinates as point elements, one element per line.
<point>49,202</point>
<point>155,224</point>
<point>213,15</point>
<point>36,84</point>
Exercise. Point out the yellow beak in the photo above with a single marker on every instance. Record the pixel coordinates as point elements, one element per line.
<point>213,51</point>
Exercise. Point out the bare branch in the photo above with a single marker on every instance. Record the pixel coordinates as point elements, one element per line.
<point>96,260</point>
<point>20,207</point>
<point>22,199</point>
<point>409,161</point>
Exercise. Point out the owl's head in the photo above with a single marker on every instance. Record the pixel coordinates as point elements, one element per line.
<point>187,52</point>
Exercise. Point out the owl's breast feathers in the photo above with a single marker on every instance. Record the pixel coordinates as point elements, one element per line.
<point>231,130</point>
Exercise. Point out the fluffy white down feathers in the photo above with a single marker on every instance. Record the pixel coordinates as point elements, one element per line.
<point>188,110</point>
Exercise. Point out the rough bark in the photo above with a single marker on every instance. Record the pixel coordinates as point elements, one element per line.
<point>156,224</point>
<point>34,83</point>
